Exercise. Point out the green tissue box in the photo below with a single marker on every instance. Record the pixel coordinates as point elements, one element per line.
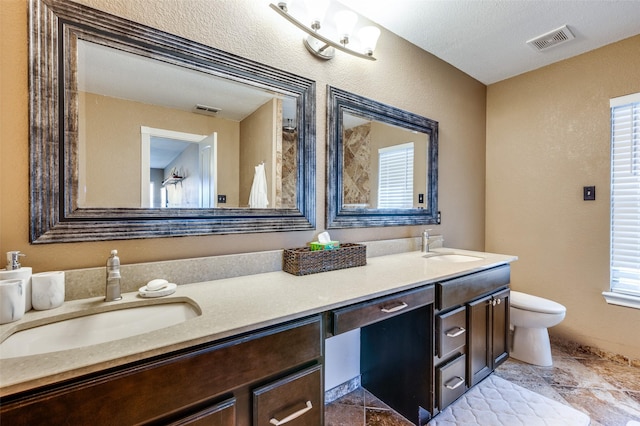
<point>315,246</point>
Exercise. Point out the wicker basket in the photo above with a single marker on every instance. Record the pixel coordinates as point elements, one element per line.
<point>303,261</point>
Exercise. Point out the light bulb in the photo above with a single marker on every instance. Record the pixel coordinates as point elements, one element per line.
<point>316,10</point>
<point>369,38</point>
<point>345,21</point>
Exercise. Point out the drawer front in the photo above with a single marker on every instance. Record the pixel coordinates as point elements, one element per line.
<point>450,381</point>
<point>222,414</point>
<point>451,332</point>
<point>363,314</point>
<point>458,291</point>
<point>296,400</point>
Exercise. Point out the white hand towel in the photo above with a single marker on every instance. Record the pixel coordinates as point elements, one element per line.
<point>258,196</point>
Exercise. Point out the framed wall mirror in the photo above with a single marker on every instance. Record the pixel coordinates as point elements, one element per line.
<point>382,164</point>
<point>138,133</point>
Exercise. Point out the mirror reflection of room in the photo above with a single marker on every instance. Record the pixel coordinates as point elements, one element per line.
<point>384,166</point>
<point>153,134</point>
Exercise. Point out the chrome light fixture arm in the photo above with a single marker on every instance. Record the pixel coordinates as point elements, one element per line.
<point>316,43</point>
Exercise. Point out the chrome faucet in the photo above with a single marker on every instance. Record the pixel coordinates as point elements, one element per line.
<point>112,291</point>
<point>425,240</point>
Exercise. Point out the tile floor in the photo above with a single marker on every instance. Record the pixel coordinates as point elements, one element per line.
<point>609,392</point>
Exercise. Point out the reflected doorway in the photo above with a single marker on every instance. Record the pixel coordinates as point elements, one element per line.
<point>179,170</point>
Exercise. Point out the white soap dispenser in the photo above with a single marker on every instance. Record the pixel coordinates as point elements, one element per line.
<point>112,291</point>
<point>15,271</point>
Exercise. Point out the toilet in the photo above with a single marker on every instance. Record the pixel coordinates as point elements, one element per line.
<point>530,317</point>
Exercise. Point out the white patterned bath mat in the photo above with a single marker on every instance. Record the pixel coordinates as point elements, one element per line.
<point>497,402</point>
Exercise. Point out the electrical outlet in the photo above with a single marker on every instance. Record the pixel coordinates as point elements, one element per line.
<point>222,198</point>
<point>589,193</point>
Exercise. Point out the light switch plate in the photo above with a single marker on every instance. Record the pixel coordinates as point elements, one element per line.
<point>589,193</point>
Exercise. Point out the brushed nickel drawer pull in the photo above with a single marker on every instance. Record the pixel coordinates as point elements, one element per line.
<point>456,333</point>
<point>457,385</point>
<point>293,416</point>
<point>397,308</point>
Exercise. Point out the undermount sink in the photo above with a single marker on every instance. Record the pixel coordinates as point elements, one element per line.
<point>452,258</point>
<point>95,328</point>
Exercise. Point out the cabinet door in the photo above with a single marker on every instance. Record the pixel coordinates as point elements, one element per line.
<point>479,328</point>
<point>500,335</point>
<point>296,400</point>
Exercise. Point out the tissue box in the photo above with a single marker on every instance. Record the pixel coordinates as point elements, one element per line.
<point>314,246</point>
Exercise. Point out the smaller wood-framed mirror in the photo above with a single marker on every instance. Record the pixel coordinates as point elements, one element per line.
<point>382,164</point>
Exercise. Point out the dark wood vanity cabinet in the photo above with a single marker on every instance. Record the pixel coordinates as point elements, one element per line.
<point>271,374</point>
<point>471,331</point>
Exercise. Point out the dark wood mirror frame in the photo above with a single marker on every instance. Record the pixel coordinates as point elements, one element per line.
<point>54,27</point>
<point>339,102</point>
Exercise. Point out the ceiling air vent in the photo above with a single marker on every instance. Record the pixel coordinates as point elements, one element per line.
<point>206,110</point>
<point>552,38</point>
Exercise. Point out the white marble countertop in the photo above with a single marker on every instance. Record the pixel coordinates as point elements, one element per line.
<point>229,307</point>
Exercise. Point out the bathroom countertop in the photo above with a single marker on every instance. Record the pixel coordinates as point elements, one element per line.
<point>229,307</point>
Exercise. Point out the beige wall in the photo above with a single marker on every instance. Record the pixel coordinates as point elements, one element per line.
<point>548,135</point>
<point>404,76</point>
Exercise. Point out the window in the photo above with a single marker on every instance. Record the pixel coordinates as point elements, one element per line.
<point>625,201</point>
<point>395,182</point>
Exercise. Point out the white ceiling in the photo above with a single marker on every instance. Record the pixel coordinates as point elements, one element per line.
<point>487,38</point>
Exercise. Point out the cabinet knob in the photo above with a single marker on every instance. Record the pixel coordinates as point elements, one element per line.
<point>292,416</point>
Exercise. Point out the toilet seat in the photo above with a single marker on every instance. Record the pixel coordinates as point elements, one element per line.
<point>528,302</point>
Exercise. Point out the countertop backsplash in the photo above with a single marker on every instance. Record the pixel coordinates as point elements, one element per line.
<point>90,282</point>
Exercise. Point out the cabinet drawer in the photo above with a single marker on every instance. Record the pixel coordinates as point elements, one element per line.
<point>222,414</point>
<point>295,400</point>
<point>458,291</point>
<point>363,314</point>
<point>450,381</point>
<point>451,333</point>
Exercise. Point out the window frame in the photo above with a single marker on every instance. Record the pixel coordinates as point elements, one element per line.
<point>621,293</point>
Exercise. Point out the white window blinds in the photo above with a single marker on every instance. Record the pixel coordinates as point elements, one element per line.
<point>395,182</point>
<point>625,195</point>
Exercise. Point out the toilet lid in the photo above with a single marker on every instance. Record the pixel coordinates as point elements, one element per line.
<point>528,302</point>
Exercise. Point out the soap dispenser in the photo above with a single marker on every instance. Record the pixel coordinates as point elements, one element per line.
<point>15,271</point>
<point>112,291</point>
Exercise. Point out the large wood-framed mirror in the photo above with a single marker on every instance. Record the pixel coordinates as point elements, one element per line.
<point>382,164</point>
<point>138,133</point>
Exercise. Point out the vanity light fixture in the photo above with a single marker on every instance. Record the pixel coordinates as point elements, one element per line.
<point>321,45</point>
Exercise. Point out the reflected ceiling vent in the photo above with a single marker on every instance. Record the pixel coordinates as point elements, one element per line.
<point>205,109</point>
<point>552,38</point>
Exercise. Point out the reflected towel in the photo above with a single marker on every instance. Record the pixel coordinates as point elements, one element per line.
<point>258,196</point>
